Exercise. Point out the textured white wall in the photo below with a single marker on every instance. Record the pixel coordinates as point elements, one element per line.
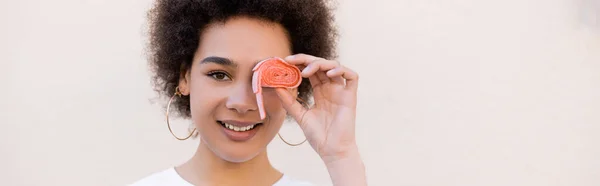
<point>452,92</point>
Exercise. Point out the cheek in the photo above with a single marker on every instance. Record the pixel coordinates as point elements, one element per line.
<point>204,97</point>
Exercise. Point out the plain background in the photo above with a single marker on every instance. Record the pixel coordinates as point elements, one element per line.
<point>452,92</point>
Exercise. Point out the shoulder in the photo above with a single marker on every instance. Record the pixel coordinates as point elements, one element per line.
<point>165,177</point>
<point>290,181</point>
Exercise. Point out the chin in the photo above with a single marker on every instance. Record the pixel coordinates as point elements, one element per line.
<point>237,156</point>
<point>234,151</point>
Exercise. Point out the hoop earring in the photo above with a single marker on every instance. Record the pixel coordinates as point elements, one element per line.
<point>177,93</point>
<point>301,118</point>
<point>288,143</point>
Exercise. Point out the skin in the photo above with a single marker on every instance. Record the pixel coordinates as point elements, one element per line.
<point>223,91</point>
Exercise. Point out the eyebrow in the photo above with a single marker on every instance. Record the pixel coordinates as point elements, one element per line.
<point>219,60</point>
<point>222,61</point>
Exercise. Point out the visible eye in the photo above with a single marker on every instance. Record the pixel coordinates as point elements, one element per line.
<point>219,75</point>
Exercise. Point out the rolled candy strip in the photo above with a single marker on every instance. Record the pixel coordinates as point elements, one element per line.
<point>275,73</point>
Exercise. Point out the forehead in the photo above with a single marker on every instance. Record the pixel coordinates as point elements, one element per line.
<point>244,40</point>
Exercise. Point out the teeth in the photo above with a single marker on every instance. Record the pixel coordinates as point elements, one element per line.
<point>238,129</point>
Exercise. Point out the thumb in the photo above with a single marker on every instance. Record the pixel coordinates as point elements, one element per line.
<point>289,103</point>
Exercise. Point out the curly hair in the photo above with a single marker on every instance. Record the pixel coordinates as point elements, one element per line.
<point>176,27</point>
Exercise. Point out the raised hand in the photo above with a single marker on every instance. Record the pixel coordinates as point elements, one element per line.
<point>329,125</point>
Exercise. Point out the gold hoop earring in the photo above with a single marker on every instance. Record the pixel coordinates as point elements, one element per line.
<point>301,118</point>
<point>177,93</point>
<point>290,144</point>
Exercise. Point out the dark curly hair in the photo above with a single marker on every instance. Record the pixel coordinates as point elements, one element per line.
<point>176,27</point>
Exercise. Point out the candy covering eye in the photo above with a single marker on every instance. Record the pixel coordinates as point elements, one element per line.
<point>275,73</point>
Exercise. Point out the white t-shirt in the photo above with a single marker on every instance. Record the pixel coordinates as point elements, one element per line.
<point>170,177</point>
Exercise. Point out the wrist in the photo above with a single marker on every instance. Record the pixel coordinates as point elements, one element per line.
<point>347,169</point>
<point>351,154</point>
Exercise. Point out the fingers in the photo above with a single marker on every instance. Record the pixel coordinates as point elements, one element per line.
<point>326,70</point>
<point>314,67</point>
<point>350,76</point>
<point>336,75</point>
<point>316,85</point>
<point>313,64</point>
<point>319,65</point>
<point>322,77</point>
<point>300,59</point>
<point>289,103</point>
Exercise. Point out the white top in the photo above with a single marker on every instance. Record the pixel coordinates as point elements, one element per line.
<point>170,177</point>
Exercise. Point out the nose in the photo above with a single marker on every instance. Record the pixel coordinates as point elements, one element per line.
<point>242,99</point>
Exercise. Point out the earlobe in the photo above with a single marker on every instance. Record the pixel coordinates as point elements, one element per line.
<point>183,85</point>
<point>183,88</point>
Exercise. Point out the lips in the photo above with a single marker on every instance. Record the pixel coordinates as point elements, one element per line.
<point>239,131</point>
<point>238,126</point>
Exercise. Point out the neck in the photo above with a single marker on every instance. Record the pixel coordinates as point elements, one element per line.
<point>206,168</point>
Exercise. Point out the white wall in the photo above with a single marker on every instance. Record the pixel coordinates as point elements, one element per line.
<point>453,92</point>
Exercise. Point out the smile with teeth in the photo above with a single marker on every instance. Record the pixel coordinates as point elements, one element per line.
<point>236,128</point>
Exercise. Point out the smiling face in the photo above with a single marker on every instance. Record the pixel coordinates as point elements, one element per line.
<point>223,106</point>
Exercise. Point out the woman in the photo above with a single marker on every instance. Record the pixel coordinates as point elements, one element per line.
<point>203,54</point>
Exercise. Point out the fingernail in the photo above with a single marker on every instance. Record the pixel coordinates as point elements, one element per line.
<point>330,72</point>
<point>290,57</point>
